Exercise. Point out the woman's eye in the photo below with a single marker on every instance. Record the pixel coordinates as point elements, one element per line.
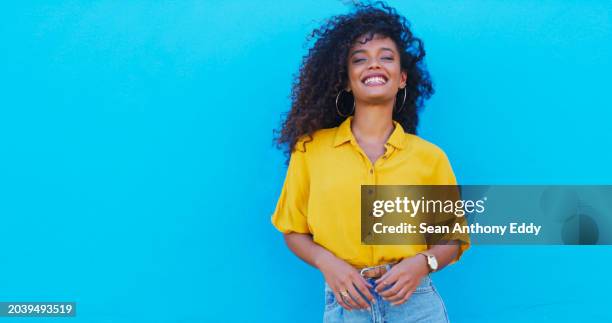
<point>363,59</point>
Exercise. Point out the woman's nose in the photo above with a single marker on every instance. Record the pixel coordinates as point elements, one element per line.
<point>374,64</point>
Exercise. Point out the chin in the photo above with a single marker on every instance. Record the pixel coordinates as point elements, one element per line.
<point>377,98</point>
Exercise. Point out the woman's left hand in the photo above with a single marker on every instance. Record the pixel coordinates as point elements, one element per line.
<point>405,277</point>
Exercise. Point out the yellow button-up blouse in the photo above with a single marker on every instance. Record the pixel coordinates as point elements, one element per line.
<point>322,189</point>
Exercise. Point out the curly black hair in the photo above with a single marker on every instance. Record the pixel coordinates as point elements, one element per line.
<point>324,72</point>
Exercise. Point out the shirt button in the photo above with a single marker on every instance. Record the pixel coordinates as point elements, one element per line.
<point>371,171</point>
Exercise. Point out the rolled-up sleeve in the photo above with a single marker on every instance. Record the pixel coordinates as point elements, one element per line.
<point>443,175</point>
<point>291,210</point>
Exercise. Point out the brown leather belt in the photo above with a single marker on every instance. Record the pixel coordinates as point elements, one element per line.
<point>376,271</point>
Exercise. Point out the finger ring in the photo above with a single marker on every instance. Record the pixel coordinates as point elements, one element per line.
<point>344,293</point>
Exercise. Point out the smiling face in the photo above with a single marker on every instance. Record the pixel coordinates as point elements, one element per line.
<point>374,70</point>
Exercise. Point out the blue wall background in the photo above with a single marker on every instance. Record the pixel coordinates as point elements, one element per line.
<point>138,175</point>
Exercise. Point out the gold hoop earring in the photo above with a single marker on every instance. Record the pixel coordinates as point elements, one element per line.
<point>338,109</point>
<point>403,102</point>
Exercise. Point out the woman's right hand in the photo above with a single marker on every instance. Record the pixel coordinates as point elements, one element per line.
<point>343,278</point>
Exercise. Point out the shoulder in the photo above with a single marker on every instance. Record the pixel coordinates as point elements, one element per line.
<point>424,148</point>
<point>316,141</point>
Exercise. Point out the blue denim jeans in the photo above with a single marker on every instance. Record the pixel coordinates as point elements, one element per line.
<point>424,305</point>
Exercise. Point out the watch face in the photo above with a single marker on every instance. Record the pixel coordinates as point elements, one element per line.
<point>433,262</point>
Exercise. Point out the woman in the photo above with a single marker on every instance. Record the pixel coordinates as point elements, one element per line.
<point>353,122</point>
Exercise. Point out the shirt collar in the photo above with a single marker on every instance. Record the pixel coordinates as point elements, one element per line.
<point>344,134</point>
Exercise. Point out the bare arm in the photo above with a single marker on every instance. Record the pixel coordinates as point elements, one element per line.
<point>306,249</point>
<point>341,277</point>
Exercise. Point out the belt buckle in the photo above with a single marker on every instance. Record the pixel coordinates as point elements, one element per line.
<point>386,266</point>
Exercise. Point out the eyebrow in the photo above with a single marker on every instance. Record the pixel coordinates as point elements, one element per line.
<point>363,50</point>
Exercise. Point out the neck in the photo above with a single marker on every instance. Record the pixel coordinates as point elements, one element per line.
<point>373,124</point>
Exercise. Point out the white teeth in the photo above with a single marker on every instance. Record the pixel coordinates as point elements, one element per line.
<point>375,80</point>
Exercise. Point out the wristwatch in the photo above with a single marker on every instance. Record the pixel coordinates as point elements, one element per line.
<point>432,262</point>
